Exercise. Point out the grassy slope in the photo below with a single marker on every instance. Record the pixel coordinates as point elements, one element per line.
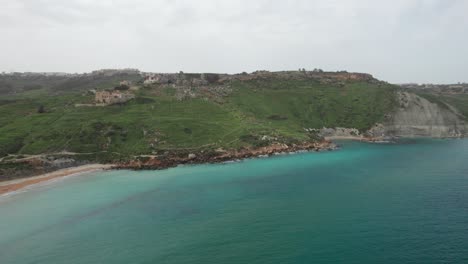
<point>86,129</point>
<point>306,104</point>
<point>169,124</point>
<point>35,86</point>
<point>459,101</point>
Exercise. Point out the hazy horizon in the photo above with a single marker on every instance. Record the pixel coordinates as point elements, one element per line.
<point>399,41</point>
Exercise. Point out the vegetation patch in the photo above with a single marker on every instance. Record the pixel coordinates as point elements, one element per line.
<point>278,117</point>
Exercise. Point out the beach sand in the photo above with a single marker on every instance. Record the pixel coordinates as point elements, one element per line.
<point>15,185</point>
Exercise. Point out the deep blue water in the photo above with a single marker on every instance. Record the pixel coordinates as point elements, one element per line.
<point>397,203</point>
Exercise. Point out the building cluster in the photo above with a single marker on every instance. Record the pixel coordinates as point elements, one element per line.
<point>188,79</point>
<point>177,79</point>
<point>460,88</point>
<point>111,72</point>
<point>160,78</point>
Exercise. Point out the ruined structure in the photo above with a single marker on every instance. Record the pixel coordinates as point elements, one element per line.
<point>160,78</point>
<point>112,97</point>
<point>125,83</point>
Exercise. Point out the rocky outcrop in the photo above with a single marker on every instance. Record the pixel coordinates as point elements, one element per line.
<point>375,134</point>
<point>220,155</point>
<point>415,116</point>
<point>418,117</point>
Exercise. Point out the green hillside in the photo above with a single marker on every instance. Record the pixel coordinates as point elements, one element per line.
<point>302,104</point>
<point>157,120</point>
<point>35,85</point>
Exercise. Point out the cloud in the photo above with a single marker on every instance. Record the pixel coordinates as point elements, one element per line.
<point>399,41</point>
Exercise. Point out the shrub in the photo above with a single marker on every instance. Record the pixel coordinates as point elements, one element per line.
<point>212,78</point>
<point>41,109</point>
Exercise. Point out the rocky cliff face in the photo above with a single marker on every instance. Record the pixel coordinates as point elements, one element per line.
<point>418,117</point>
<point>414,117</point>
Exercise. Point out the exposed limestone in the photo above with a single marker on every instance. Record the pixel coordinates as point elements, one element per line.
<point>417,117</point>
<point>339,132</point>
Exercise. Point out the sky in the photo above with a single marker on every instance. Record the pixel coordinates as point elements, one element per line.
<point>398,41</point>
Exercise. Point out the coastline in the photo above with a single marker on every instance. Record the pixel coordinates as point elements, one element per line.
<point>361,139</point>
<point>160,163</point>
<point>18,184</point>
<point>220,156</point>
<point>355,138</point>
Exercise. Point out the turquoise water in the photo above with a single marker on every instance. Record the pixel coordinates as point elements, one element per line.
<point>402,203</point>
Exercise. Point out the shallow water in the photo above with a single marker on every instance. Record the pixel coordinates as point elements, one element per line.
<point>401,203</point>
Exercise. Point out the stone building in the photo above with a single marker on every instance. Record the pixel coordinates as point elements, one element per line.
<point>125,83</point>
<point>112,97</point>
<point>150,79</point>
<point>161,78</point>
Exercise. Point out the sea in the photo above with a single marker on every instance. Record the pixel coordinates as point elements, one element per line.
<point>365,203</point>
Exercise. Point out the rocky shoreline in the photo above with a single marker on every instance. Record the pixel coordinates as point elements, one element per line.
<point>219,156</point>
<point>173,160</point>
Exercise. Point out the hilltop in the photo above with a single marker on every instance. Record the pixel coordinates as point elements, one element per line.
<point>53,121</point>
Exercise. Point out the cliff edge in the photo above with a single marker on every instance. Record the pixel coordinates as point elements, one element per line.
<point>413,116</point>
<point>418,117</point>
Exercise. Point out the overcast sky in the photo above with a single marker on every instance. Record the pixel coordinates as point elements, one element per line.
<point>395,40</point>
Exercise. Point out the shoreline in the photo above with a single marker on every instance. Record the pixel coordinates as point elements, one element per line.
<point>155,163</point>
<point>18,184</point>
<point>361,139</point>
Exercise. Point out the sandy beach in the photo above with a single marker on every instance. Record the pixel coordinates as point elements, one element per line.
<point>15,185</point>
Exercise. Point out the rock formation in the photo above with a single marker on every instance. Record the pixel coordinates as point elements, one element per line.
<point>417,117</point>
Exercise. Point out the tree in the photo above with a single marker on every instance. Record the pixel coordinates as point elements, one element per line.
<point>122,87</point>
<point>41,109</point>
<point>212,78</point>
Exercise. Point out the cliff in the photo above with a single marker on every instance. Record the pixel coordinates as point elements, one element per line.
<point>413,116</point>
<point>418,117</point>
